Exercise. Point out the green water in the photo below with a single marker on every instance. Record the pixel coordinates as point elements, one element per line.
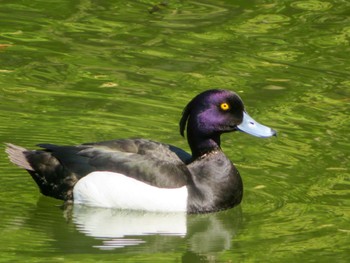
<point>82,71</point>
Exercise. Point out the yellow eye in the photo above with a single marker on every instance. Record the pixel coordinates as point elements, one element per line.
<point>224,106</point>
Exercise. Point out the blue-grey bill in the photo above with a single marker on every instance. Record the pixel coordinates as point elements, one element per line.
<point>252,127</point>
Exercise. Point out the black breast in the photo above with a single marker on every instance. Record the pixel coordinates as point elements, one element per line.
<point>217,184</point>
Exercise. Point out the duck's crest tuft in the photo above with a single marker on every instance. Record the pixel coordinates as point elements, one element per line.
<point>185,115</point>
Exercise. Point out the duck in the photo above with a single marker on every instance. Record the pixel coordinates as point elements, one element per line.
<point>142,174</point>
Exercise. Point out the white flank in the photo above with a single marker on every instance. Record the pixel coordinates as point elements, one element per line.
<point>114,190</point>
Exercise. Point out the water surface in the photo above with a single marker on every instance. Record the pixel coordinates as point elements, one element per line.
<point>82,71</point>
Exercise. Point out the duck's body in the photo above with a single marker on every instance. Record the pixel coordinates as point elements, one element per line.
<point>146,175</point>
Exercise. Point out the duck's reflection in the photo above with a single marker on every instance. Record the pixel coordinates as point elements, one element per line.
<point>117,228</point>
<point>195,238</point>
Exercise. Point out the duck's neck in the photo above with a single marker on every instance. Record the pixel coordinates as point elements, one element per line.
<point>202,144</point>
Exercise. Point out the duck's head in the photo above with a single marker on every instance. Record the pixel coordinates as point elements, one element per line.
<point>214,112</point>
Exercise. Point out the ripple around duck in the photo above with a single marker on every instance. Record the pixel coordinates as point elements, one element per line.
<point>258,202</point>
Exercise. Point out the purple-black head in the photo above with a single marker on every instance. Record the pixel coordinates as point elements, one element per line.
<point>214,112</point>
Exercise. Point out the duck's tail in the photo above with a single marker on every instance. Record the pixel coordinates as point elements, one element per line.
<point>49,174</point>
<point>17,155</point>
